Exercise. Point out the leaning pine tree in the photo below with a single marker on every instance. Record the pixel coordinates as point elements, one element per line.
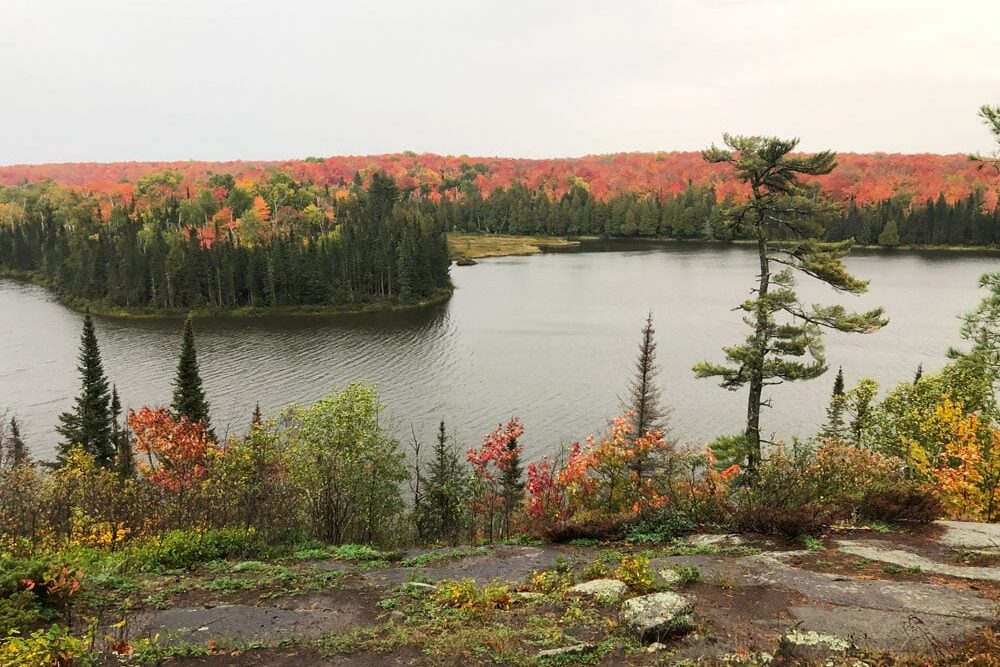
<point>189,397</point>
<point>785,342</point>
<point>89,423</point>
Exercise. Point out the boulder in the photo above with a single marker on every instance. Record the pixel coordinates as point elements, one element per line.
<point>657,616</point>
<point>601,588</point>
<point>812,646</point>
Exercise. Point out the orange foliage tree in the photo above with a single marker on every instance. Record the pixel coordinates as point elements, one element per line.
<point>177,450</point>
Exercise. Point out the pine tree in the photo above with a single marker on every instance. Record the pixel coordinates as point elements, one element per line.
<point>189,397</point>
<point>512,482</point>
<point>919,373</point>
<point>889,237</point>
<point>88,424</point>
<point>643,399</point>
<point>256,419</point>
<point>836,427</point>
<point>440,512</point>
<point>17,451</point>
<point>784,329</point>
<point>124,456</point>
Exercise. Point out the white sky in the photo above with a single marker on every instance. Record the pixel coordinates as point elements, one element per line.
<point>99,80</point>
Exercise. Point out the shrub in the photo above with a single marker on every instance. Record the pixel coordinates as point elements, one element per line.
<point>466,596</point>
<point>659,526</point>
<point>634,571</point>
<point>187,549</point>
<point>806,491</point>
<point>54,647</point>
<point>346,467</point>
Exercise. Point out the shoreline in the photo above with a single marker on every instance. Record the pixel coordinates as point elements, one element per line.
<point>244,312</point>
<point>505,245</point>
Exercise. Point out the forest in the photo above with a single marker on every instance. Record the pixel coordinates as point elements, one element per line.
<point>223,245</point>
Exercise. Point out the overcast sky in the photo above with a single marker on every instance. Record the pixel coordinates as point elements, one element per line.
<point>95,80</point>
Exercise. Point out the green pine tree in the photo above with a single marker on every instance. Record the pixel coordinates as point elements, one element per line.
<point>889,238</point>
<point>836,427</point>
<point>89,423</point>
<point>441,510</point>
<point>124,456</point>
<point>189,397</point>
<point>17,451</point>
<point>785,342</point>
<point>512,483</point>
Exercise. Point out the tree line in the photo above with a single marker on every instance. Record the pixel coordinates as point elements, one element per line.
<point>698,213</point>
<point>279,243</point>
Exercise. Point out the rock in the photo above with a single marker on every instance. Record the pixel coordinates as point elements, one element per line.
<point>874,550</point>
<point>710,540</point>
<point>658,615</point>
<point>655,646</point>
<point>667,578</point>
<point>811,646</point>
<point>969,536</point>
<point>465,261</point>
<point>575,649</point>
<point>601,588</point>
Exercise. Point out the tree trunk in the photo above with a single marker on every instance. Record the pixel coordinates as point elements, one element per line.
<point>760,346</point>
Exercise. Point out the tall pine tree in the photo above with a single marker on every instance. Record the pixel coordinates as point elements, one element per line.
<point>785,343</point>
<point>643,399</point>
<point>189,397</point>
<point>89,423</point>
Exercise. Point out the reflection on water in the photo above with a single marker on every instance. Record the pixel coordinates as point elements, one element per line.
<point>551,338</point>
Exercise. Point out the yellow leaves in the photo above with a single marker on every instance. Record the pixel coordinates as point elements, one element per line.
<point>959,456</point>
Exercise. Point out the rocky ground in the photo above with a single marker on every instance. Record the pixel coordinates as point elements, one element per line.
<point>927,597</point>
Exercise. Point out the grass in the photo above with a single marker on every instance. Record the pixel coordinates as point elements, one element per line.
<point>476,246</point>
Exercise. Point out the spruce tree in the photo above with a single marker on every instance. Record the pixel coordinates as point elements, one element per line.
<point>189,397</point>
<point>512,481</point>
<point>89,423</point>
<point>836,427</point>
<point>124,456</point>
<point>785,342</point>
<point>17,451</point>
<point>643,399</point>
<point>256,419</point>
<point>440,512</point>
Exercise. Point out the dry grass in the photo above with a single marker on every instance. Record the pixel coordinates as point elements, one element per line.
<point>475,246</point>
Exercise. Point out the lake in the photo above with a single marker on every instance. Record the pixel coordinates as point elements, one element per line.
<point>551,338</point>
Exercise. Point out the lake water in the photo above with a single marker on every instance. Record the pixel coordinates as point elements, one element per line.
<point>550,338</point>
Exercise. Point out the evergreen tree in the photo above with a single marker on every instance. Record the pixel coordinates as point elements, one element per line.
<point>918,374</point>
<point>256,419</point>
<point>889,238</point>
<point>512,483</point>
<point>643,399</point>
<point>836,427</point>
<point>189,397</point>
<point>17,451</point>
<point>783,328</point>
<point>441,510</point>
<point>89,423</point>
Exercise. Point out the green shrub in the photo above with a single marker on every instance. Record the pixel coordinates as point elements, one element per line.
<point>660,527</point>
